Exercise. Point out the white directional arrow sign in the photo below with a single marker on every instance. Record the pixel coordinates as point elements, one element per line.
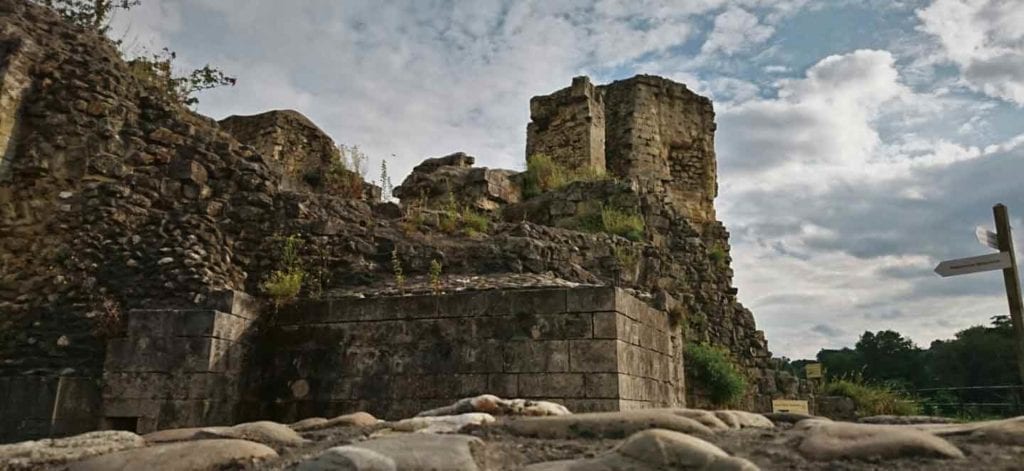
<point>963,266</point>
<point>986,237</point>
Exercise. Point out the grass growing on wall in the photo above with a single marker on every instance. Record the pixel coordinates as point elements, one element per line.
<point>285,283</point>
<point>871,399</point>
<point>607,220</point>
<point>455,218</point>
<point>544,174</point>
<point>621,223</point>
<point>716,372</point>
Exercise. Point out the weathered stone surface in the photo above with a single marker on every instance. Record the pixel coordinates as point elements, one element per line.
<point>655,450</point>
<point>441,423</point>
<point>417,452</point>
<point>355,419</point>
<point>52,452</point>
<point>440,181</point>
<point>182,456</point>
<point>180,434</point>
<point>603,424</point>
<point>835,407</point>
<point>569,126</point>
<point>307,423</point>
<point>349,458</point>
<point>666,449</point>
<point>1004,432</point>
<point>495,405</point>
<point>708,418</point>
<point>300,152</point>
<point>743,419</point>
<point>826,440</point>
<point>266,432</point>
<point>790,417</point>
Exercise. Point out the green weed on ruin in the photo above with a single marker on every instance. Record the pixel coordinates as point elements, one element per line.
<point>345,175</point>
<point>717,255</point>
<point>435,276</point>
<point>459,218</point>
<point>608,220</point>
<point>285,283</point>
<point>544,174</point>
<point>713,368</point>
<point>397,271</point>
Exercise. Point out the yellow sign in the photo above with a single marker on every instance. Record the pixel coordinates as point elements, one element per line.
<point>813,370</point>
<point>790,405</point>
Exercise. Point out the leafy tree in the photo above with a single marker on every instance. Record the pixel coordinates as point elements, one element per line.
<point>842,363</point>
<point>978,356</point>
<point>890,357</point>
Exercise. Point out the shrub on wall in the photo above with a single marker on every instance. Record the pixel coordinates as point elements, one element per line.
<point>712,367</point>
<point>285,283</point>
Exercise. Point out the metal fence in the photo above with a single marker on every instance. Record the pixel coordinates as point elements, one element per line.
<point>971,401</point>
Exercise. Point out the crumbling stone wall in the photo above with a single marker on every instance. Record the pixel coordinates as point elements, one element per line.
<point>298,152</point>
<point>16,55</point>
<point>116,201</point>
<point>589,348</point>
<point>646,129</point>
<point>289,141</point>
<point>661,135</point>
<point>569,126</point>
<point>441,181</point>
<point>659,145</point>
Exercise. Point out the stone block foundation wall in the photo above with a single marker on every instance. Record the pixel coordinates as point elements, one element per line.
<point>590,348</point>
<point>178,368</point>
<point>33,407</point>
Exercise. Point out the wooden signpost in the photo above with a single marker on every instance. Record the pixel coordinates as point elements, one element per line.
<point>987,237</point>
<point>1004,260</point>
<point>963,266</point>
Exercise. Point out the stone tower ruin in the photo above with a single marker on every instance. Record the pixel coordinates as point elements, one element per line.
<point>649,130</point>
<point>137,237</point>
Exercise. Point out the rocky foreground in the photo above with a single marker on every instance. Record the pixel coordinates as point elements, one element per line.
<point>489,433</point>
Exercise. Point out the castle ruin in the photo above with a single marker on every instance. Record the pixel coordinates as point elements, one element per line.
<point>646,129</point>
<point>136,237</point>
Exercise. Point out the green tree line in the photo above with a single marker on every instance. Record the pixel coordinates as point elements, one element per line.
<point>976,356</point>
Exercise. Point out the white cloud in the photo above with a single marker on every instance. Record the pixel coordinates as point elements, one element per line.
<point>821,120</point>
<point>735,30</point>
<point>985,40</point>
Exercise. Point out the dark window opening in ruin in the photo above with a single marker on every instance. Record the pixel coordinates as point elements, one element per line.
<point>125,424</point>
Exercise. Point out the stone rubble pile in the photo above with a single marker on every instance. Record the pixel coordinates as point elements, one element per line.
<point>489,433</point>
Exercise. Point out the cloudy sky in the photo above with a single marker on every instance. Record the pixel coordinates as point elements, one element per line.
<point>860,141</point>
